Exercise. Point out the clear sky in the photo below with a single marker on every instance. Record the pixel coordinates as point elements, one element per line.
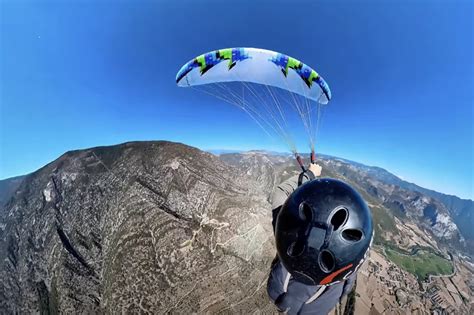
<point>77,74</point>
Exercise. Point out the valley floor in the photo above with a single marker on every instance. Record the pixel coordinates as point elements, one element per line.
<point>385,288</point>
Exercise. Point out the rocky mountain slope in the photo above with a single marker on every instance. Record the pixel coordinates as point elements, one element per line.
<point>160,227</point>
<point>153,226</point>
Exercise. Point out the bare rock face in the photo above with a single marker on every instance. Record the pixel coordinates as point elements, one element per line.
<point>141,227</point>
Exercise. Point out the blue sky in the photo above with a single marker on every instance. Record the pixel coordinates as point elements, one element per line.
<point>77,74</point>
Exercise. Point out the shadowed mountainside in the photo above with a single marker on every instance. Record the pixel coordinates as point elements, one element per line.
<point>8,187</point>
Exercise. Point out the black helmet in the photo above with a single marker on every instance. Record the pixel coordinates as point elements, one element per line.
<point>323,232</point>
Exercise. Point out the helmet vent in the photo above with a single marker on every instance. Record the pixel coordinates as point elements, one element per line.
<point>296,249</point>
<point>352,235</point>
<point>339,218</point>
<point>305,212</point>
<point>326,261</point>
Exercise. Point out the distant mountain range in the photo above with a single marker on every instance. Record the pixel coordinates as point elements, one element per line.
<point>461,210</point>
<point>228,151</point>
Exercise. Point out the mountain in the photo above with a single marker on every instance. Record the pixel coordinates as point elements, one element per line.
<point>8,187</point>
<point>156,226</point>
<point>461,211</point>
<point>162,227</point>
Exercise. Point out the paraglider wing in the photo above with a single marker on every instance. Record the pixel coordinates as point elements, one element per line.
<point>255,66</point>
<point>268,86</point>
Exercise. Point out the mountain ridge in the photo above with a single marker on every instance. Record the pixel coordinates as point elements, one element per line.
<point>218,152</point>
<point>462,210</point>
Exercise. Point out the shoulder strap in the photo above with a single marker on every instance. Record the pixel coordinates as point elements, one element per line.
<point>316,295</point>
<point>287,281</point>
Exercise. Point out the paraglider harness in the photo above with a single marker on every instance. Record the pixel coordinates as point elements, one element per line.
<point>302,298</point>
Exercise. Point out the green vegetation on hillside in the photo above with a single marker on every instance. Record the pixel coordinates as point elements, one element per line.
<point>421,264</point>
<point>383,222</point>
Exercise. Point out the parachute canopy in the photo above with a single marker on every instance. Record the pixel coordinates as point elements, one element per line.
<point>268,86</point>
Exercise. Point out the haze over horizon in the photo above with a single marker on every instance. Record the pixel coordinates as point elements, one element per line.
<point>83,74</point>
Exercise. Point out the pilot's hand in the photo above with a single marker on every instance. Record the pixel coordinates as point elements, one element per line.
<point>315,169</point>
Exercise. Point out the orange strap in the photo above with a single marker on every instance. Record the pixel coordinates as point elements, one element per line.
<point>330,277</point>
